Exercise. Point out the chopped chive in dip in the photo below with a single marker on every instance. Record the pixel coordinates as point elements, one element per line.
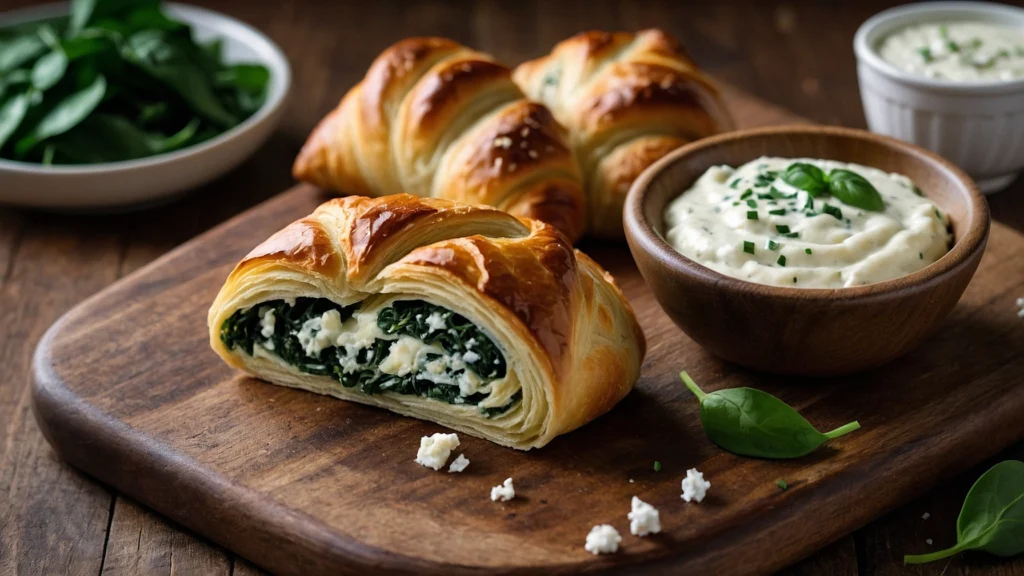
<point>746,194</point>
<point>808,250</point>
<point>794,279</point>
<point>772,244</point>
<point>782,260</point>
<point>751,214</point>
<point>778,212</point>
<point>734,183</point>
<point>920,255</point>
<point>748,247</point>
<point>791,235</point>
<point>833,211</point>
<point>926,54</point>
<point>752,203</point>
<point>782,228</point>
<point>657,466</point>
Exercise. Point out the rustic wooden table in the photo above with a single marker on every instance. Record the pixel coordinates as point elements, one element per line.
<point>53,520</point>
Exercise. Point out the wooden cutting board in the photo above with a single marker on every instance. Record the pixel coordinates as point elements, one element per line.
<point>127,389</point>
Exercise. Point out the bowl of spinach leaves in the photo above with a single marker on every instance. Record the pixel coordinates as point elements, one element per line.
<point>115,103</point>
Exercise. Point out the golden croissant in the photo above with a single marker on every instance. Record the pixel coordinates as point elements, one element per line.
<point>627,100</point>
<point>435,119</point>
<point>461,315</point>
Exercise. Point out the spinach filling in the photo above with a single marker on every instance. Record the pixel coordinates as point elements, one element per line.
<point>414,318</point>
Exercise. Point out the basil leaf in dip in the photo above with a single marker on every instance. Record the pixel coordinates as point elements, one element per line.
<point>853,189</point>
<point>806,177</point>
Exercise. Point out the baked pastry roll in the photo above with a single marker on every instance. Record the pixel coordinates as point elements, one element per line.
<point>436,119</point>
<point>458,314</point>
<point>627,99</point>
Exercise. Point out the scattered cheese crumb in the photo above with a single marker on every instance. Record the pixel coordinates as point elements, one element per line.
<point>925,516</point>
<point>459,464</point>
<point>928,541</point>
<point>267,322</point>
<point>603,539</point>
<point>504,492</point>
<point>436,322</point>
<point>1020,304</point>
<point>532,154</point>
<point>471,356</point>
<point>435,450</point>
<point>502,142</point>
<point>470,343</point>
<point>694,486</point>
<point>643,518</point>
<point>630,480</point>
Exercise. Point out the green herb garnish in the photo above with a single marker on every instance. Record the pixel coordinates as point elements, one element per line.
<point>751,214</point>
<point>116,80</point>
<point>808,250</point>
<point>752,203</point>
<point>746,194</point>
<point>748,247</point>
<point>849,187</point>
<point>791,235</point>
<point>782,484</point>
<point>833,211</point>
<point>749,422</point>
<point>920,255</point>
<point>778,212</point>
<point>772,244</point>
<point>926,54</point>
<point>782,228</point>
<point>782,260</point>
<point>657,466</point>
<point>853,189</point>
<point>992,517</point>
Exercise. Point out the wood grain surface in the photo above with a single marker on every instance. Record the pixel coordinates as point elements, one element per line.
<point>53,520</point>
<point>127,389</point>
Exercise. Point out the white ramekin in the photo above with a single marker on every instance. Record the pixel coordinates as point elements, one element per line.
<point>977,125</point>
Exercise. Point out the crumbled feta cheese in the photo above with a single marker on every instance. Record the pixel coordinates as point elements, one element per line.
<point>694,486</point>
<point>319,333</point>
<point>290,301</point>
<point>459,464</point>
<point>603,539</point>
<point>643,518</point>
<point>435,450</point>
<point>1020,304</point>
<point>267,321</point>
<point>925,516</point>
<point>436,322</point>
<point>269,345</point>
<point>503,492</point>
<point>928,541</point>
<point>470,356</point>
<point>472,341</point>
<point>402,356</point>
<point>469,383</point>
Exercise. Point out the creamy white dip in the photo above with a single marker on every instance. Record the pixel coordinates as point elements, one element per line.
<point>749,224</point>
<point>957,51</point>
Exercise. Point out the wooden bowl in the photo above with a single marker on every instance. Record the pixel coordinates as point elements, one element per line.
<point>795,330</point>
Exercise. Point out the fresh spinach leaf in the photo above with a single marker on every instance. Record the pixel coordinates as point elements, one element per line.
<point>20,50</point>
<point>806,177</point>
<point>248,77</point>
<point>12,112</point>
<point>992,517</point>
<point>81,11</point>
<point>65,115</point>
<point>176,140</point>
<point>49,69</point>
<point>152,51</point>
<point>749,422</point>
<point>853,189</point>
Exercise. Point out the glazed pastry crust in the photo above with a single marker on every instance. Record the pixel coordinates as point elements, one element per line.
<point>627,100</point>
<point>569,336</point>
<point>436,119</point>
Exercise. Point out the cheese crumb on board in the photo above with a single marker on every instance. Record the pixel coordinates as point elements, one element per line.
<point>643,518</point>
<point>435,450</point>
<point>503,492</point>
<point>459,464</point>
<point>603,539</point>
<point>694,486</point>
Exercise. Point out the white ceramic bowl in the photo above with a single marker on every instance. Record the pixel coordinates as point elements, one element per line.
<point>977,125</point>
<point>135,183</point>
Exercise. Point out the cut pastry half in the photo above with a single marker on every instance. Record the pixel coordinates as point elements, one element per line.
<point>461,315</point>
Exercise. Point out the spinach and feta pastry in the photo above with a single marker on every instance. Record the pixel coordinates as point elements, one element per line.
<point>462,315</point>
